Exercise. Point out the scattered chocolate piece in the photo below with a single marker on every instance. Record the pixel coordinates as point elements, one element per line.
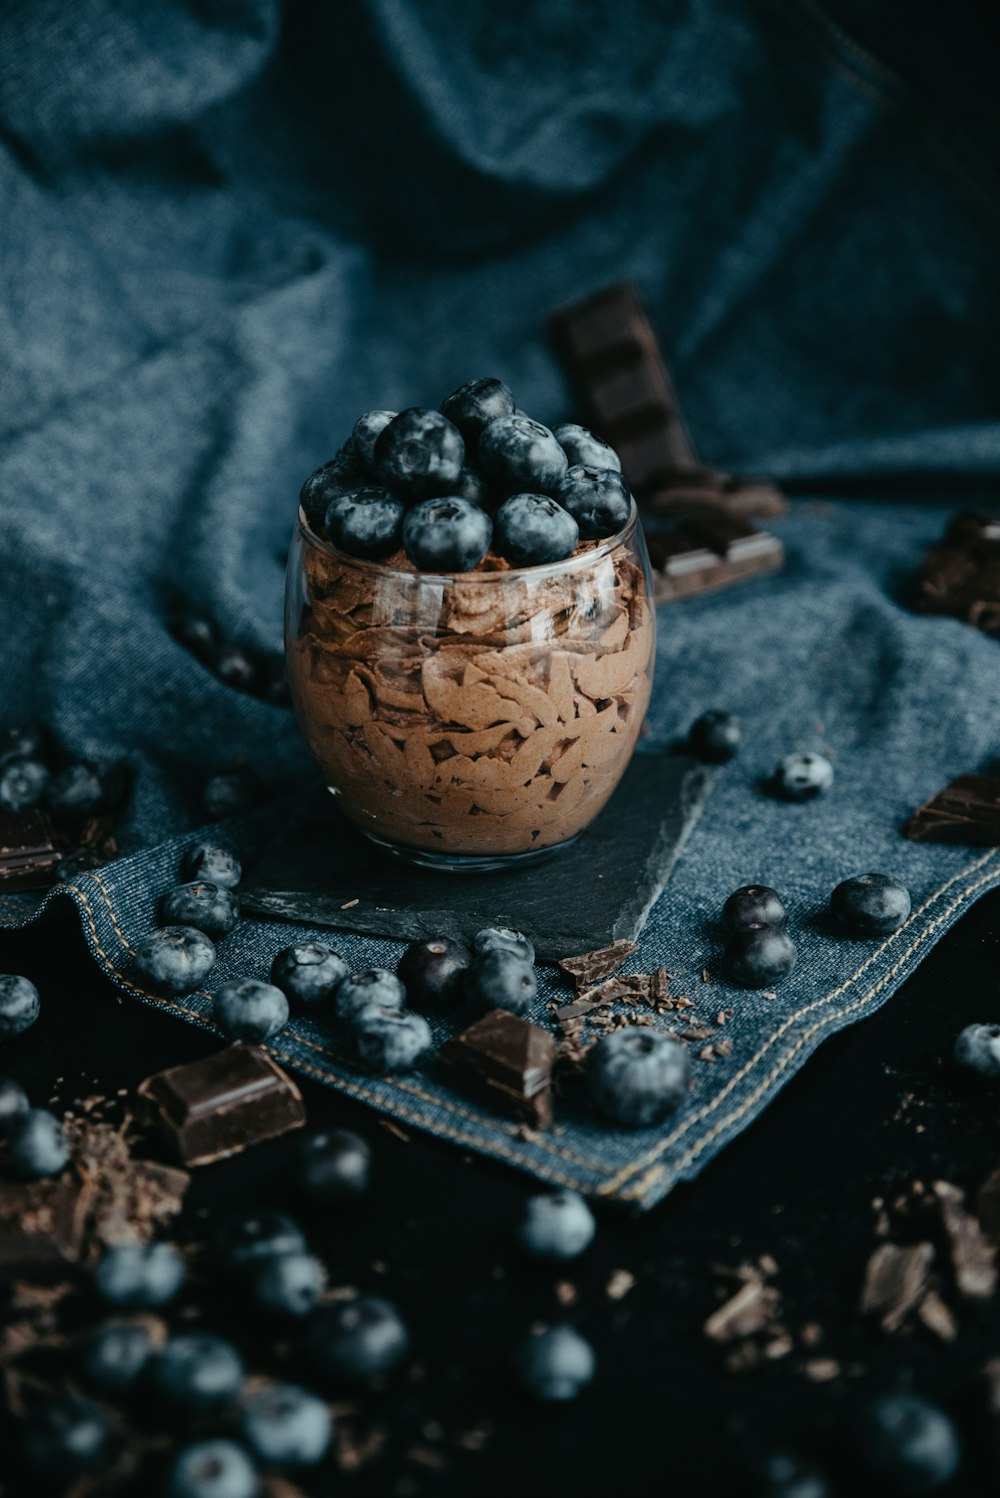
<point>973,1257</point>
<point>619,1284</point>
<point>750,1310</point>
<point>630,990</point>
<point>42,1226</point>
<point>591,967</point>
<point>961,574</point>
<point>707,551</point>
<point>223,1103</point>
<point>129,1198</point>
<point>29,856</point>
<point>988,1206</point>
<point>966,811</point>
<point>895,1282</point>
<point>937,1317</point>
<point>512,1060</point>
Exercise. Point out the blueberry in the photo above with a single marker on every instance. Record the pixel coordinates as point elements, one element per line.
<point>249,1010</point>
<point>871,904</point>
<point>205,906</point>
<point>501,980</point>
<point>447,535</point>
<point>22,784</point>
<point>139,1276</point>
<point>13,1103</point>
<point>333,1165</point>
<point>716,736</point>
<point>781,1475</point>
<point>532,529</point>
<point>753,905</point>
<point>340,476</point>
<point>288,1284</point>
<point>758,956</point>
<point>25,741</point>
<point>637,1076</point>
<point>235,666</point>
<point>556,1225</point>
<point>375,986</point>
<point>175,960</point>
<point>246,1240</point>
<point>503,938</point>
<point>390,1040</point>
<point>583,448</point>
<point>212,1469</point>
<point>83,790</point>
<point>800,777</point>
<point>367,430</point>
<point>37,1144</point>
<point>597,498</point>
<point>366,523</point>
<point>210,860</point>
<point>521,456</point>
<point>554,1363</point>
<point>286,1426</point>
<point>471,486</point>
<point>19,1005</point>
<point>474,405</point>
<point>419,452</point>
<point>272,680</point>
<point>196,634</point>
<point>359,1339</point>
<point>908,1443</point>
<point>233,793</point>
<point>196,1371</point>
<point>67,1438</point>
<point>114,1355</point>
<point>978,1049</point>
<point>433,971</point>
<point>308,974</point>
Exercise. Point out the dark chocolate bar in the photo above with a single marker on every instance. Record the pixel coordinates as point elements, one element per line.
<point>42,1226</point>
<point>511,1061</point>
<point>961,575</point>
<point>29,856</point>
<point>223,1103</point>
<point>966,811</point>
<point>709,550</point>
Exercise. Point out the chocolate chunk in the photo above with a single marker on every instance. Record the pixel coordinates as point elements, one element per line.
<point>630,990</point>
<point>222,1104</point>
<point>591,967</point>
<point>29,857</point>
<point>973,1257</point>
<point>895,1282</point>
<point>708,550</point>
<point>41,1226</point>
<point>966,811</point>
<point>751,1309</point>
<point>961,575</point>
<point>510,1060</point>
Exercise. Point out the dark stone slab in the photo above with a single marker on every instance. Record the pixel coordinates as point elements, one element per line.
<point>321,872</point>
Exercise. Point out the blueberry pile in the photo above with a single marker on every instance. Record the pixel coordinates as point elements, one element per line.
<point>35,772</point>
<point>448,485</point>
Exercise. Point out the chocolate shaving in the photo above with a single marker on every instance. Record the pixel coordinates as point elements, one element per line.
<point>591,967</point>
<point>895,1282</point>
<point>937,1317</point>
<point>967,812</point>
<point>750,1310</point>
<point>630,990</point>
<point>973,1257</point>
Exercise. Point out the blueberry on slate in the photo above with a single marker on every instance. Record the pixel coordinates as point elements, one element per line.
<point>758,956</point>
<point>342,474</point>
<point>374,986</point>
<point>520,456</point>
<point>532,529</point>
<point>67,1438</point>
<point>716,736</point>
<point>583,448</point>
<point>781,1475</point>
<point>637,1076</point>
<point>597,498</point>
<point>505,938</point>
<point>978,1049</point>
<point>433,971</point>
<point>333,1165</point>
<point>246,1240</point>
<point>114,1354</point>
<point>753,905</point>
<point>366,523</point>
<point>250,1010</point>
<point>205,906</point>
<point>871,904</point>
<point>556,1225</point>
<point>138,1276</point>
<point>359,1339</point>
<point>212,1469</point>
<point>501,980</point>
<point>232,793</point>
<point>25,741</point>
<point>288,1284</point>
<point>174,960</point>
<point>447,535</point>
<point>19,1005</point>
<point>367,430</point>
<point>308,974</point>
<point>213,861</point>
<point>13,1103</point>
<point>420,452</point>
<point>37,1144</point>
<point>554,1363</point>
<point>908,1443</point>
<point>800,777</point>
<point>82,790</point>
<point>471,486</point>
<point>22,784</point>
<point>286,1426</point>
<point>197,1371</point>
<point>390,1040</point>
<point>475,404</point>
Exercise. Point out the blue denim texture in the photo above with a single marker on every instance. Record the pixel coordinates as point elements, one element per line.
<point>226,232</point>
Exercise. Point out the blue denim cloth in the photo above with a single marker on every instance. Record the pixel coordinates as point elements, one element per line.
<point>229,230</point>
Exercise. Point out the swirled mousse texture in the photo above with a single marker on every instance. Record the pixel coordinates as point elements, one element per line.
<point>494,712</point>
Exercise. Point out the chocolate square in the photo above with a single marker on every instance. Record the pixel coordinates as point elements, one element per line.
<point>223,1103</point>
<point>510,1060</point>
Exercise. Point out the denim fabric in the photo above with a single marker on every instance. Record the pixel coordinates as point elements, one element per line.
<point>229,229</point>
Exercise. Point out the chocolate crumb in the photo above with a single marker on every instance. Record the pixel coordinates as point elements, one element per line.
<point>973,1257</point>
<point>620,1283</point>
<point>590,967</point>
<point>895,1281</point>
<point>937,1317</point>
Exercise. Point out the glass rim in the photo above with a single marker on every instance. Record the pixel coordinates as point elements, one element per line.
<point>579,560</point>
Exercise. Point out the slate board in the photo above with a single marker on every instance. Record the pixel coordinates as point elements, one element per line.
<point>596,891</point>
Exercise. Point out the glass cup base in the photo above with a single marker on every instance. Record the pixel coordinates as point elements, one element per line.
<point>461,863</point>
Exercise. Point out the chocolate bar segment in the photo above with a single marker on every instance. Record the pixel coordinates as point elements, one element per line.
<point>510,1061</point>
<point>961,575</point>
<point>222,1104</point>
<point>967,811</point>
<point>42,1226</point>
<point>709,550</point>
<point>29,857</point>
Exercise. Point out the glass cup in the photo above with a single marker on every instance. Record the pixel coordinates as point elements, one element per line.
<point>471,720</point>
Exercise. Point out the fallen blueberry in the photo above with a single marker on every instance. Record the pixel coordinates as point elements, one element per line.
<point>288,1284</point>
<point>519,455</point>
<point>871,904</point>
<point>758,956</point>
<point>22,784</point>
<point>366,523</point>
<point>174,960</point>
<point>583,448</point>
<point>83,790</point>
<point>19,1005</point>
<point>432,972</point>
<point>249,1010</point>
<point>978,1049</point>
<point>232,793</point>
<point>210,860</point>
<point>234,666</point>
<point>390,1040</point>
<point>367,430</point>
<point>196,634</point>
<point>753,905</point>
<point>333,1165</point>
<point>554,1363</point>
<point>212,1469</point>
<point>447,535</point>
<point>205,906</point>
<point>420,451</point>
<point>556,1225</point>
<point>501,980</point>
<point>475,404</point>
<point>66,1438</point>
<point>505,938</point>
<point>13,1103</point>
<point>716,736</point>
<point>286,1426</point>
<point>374,986</point>
<point>139,1276</point>
<point>245,1240</point>
<point>908,1442</point>
<point>531,529</point>
<point>308,974</point>
<point>114,1354</point>
<point>272,681</point>
<point>781,1475</point>
<point>597,498</point>
<point>637,1076</point>
<point>25,741</point>
<point>37,1144</point>
<point>800,777</point>
<point>342,474</point>
<point>197,1372</point>
<point>358,1340</point>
